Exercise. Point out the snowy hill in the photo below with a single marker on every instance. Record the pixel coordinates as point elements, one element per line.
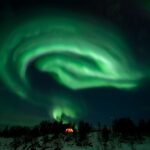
<point>69,142</point>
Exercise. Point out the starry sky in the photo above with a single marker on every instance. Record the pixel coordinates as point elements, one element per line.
<point>74,60</point>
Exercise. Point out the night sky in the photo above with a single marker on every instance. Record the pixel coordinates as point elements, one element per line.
<point>74,60</point>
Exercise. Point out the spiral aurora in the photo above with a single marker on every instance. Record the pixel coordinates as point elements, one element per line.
<point>79,53</point>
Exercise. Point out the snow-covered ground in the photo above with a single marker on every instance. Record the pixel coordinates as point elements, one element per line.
<point>62,144</point>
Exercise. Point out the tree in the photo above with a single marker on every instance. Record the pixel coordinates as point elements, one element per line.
<point>83,129</point>
<point>125,127</point>
<point>45,128</point>
<point>5,132</point>
<point>105,136</point>
<point>35,132</point>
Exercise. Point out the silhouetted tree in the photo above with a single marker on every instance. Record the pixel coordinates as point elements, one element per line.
<point>45,127</point>
<point>105,136</point>
<point>83,129</point>
<point>125,127</point>
<point>99,126</point>
<point>16,131</point>
<point>148,128</point>
<point>5,132</point>
<point>141,130</point>
<point>35,131</point>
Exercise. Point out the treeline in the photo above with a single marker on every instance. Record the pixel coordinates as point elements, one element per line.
<point>28,136</point>
<point>123,128</point>
<point>44,128</point>
<point>122,131</point>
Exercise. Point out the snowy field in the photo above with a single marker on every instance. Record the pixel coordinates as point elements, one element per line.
<point>61,143</point>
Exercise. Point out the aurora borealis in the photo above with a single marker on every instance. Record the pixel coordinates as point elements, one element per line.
<point>97,63</point>
<point>50,59</point>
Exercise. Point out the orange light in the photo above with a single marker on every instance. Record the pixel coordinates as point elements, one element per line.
<point>69,130</point>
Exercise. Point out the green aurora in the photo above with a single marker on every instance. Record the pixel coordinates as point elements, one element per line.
<point>79,53</point>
